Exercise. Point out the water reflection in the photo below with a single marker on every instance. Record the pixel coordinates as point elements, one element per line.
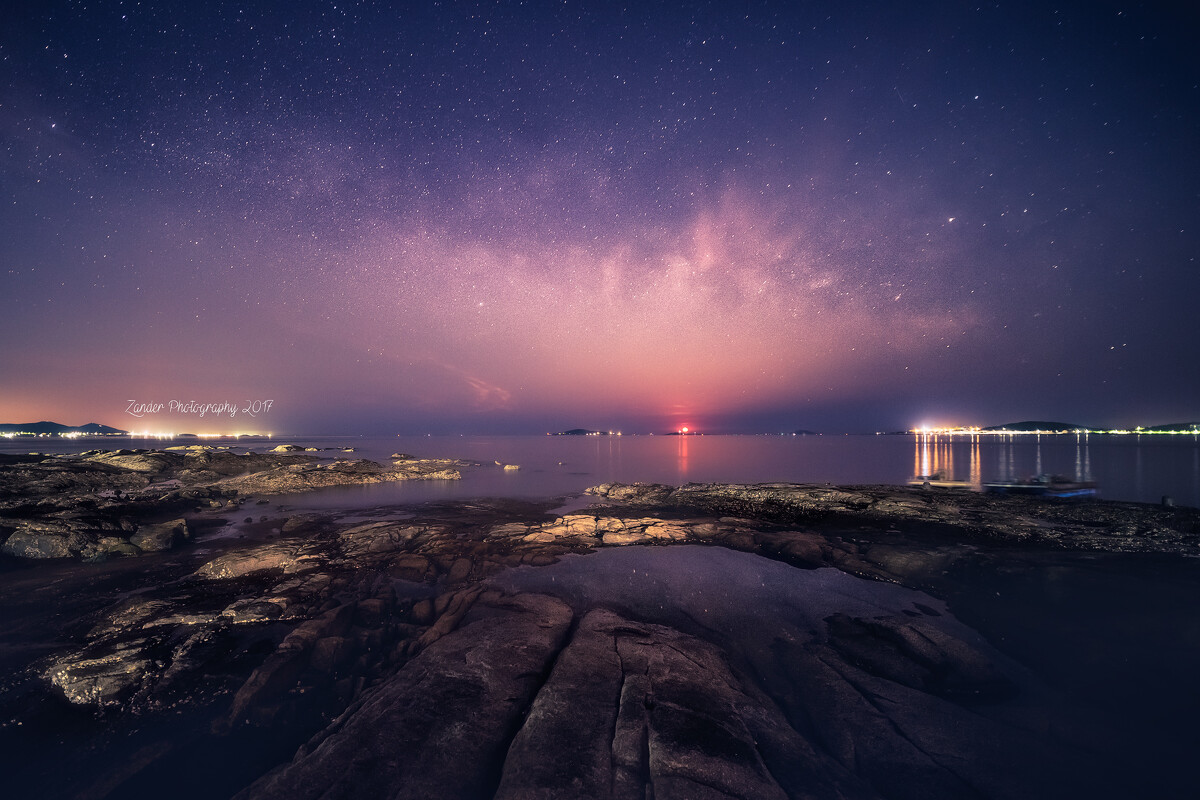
<point>938,459</point>
<point>1138,481</point>
<point>1195,475</point>
<point>1083,458</point>
<point>683,456</point>
<point>611,445</point>
<point>976,476</point>
<point>934,461</point>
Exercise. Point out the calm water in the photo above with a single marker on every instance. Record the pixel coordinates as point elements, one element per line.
<point>1137,468</point>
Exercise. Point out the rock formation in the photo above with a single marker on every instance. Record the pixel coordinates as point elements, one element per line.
<point>748,642</point>
<point>114,502</point>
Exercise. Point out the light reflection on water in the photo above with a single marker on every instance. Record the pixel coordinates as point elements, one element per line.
<point>1138,468</point>
<point>1132,467</point>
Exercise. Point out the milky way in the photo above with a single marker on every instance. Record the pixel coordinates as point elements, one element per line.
<point>502,217</point>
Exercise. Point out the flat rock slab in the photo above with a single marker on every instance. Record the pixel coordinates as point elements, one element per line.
<point>693,672</point>
<point>440,726</point>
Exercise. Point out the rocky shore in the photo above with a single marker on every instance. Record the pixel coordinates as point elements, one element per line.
<point>126,502</point>
<point>693,642</point>
<point>1028,520</point>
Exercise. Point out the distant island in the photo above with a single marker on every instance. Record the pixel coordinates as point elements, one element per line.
<point>58,429</point>
<point>583,432</point>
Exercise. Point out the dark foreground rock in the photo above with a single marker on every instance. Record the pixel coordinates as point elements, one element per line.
<point>439,728</point>
<point>752,642</point>
<point>519,703</point>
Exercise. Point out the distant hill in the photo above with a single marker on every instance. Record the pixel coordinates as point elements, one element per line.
<point>581,432</point>
<point>96,427</point>
<point>54,428</point>
<point>1038,425</point>
<point>1059,427</point>
<point>803,432</point>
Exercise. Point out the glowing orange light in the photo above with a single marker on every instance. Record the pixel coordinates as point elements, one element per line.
<point>683,430</point>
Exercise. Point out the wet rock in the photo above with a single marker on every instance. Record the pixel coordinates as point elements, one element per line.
<point>304,522</point>
<point>1099,525</point>
<point>908,562</point>
<point>254,609</point>
<point>279,672</point>
<point>377,537</point>
<point>917,655</point>
<point>25,477</point>
<point>460,570</point>
<point>286,556</point>
<point>609,530</point>
<point>152,462</point>
<point>307,477</point>
<point>57,507</point>
<point>439,725</point>
<point>412,567</point>
<point>423,612</point>
<point>641,493</point>
<point>50,539</point>
<point>116,546</point>
<point>798,548</point>
<point>636,710</point>
<point>450,608</point>
<point>105,679</point>
<point>161,536</point>
<point>639,531</point>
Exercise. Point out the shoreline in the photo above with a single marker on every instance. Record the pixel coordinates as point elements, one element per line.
<point>102,503</point>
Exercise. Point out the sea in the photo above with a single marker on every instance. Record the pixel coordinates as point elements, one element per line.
<point>1144,468</point>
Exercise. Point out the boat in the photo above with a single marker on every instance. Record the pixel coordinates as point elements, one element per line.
<point>938,480</point>
<point>1044,486</point>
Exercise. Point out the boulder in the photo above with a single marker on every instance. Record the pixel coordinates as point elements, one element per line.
<point>56,538</point>
<point>101,679</point>
<point>40,544</point>
<point>285,556</point>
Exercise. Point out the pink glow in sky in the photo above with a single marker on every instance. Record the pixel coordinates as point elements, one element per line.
<point>736,307</point>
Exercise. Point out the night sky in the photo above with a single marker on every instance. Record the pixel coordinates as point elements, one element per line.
<point>528,217</point>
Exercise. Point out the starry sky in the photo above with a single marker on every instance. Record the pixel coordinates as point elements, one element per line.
<point>523,217</point>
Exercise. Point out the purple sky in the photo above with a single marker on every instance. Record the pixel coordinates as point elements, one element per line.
<point>522,218</point>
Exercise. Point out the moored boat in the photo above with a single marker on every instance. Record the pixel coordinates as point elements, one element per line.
<point>938,480</point>
<point>1044,486</point>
